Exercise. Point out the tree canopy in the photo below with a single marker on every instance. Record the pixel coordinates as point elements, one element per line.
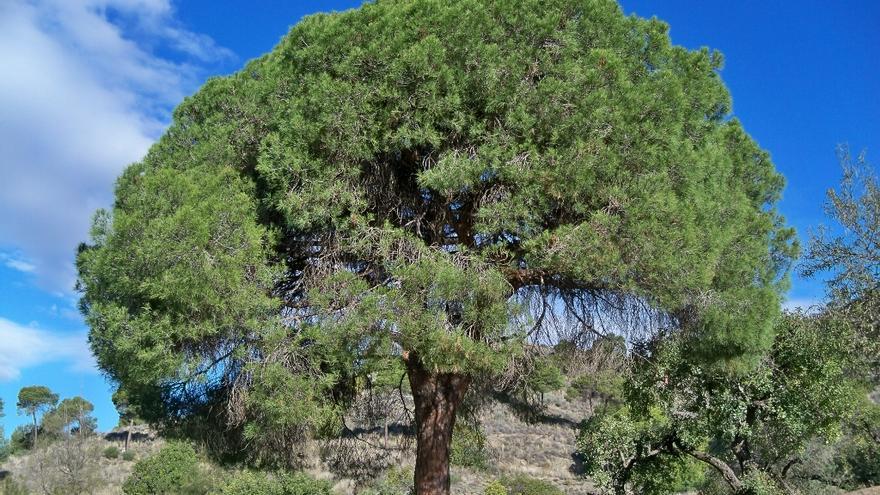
<point>72,415</point>
<point>849,251</point>
<point>34,399</point>
<point>752,429</point>
<point>433,183</point>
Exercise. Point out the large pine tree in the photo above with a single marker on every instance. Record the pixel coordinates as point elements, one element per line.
<point>404,183</point>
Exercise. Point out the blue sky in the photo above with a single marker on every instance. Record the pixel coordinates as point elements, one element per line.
<point>88,84</point>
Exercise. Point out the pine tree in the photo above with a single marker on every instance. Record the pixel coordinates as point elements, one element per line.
<point>427,183</point>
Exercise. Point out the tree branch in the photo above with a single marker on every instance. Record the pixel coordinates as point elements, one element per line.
<point>720,466</point>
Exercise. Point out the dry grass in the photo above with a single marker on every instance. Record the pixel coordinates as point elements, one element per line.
<point>540,446</point>
<point>66,463</point>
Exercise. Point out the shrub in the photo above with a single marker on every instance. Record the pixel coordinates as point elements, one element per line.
<point>396,480</point>
<point>522,484</point>
<point>111,453</point>
<point>69,466</point>
<point>5,447</point>
<point>255,483</point>
<point>173,470</point>
<point>10,487</point>
<point>468,446</point>
<point>128,455</point>
<point>495,487</point>
<point>759,483</point>
<point>21,439</point>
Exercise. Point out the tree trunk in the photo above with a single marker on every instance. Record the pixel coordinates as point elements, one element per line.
<point>128,435</point>
<point>437,397</point>
<point>35,430</point>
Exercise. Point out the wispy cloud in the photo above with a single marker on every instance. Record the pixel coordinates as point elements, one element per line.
<point>26,346</point>
<point>84,93</point>
<point>16,263</point>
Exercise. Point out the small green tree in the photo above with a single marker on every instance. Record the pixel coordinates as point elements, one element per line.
<point>129,414</point>
<point>543,378</point>
<point>173,470</point>
<point>34,400</point>
<point>849,252</point>
<point>751,428</point>
<point>21,439</point>
<point>71,416</point>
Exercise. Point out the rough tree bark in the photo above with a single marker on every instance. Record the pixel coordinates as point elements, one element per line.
<point>436,397</point>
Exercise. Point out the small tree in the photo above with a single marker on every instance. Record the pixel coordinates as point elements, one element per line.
<point>71,416</point>
<point>849,251</point>
<point>174,469</point>
<point>544,377</point>
<point>34,400</point>
<point>751,428</point>
<point>128,413</point>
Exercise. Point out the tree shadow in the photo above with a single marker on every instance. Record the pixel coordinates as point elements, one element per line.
<point>119,436</point>
<point>532,413</point>
<point>577,467</point>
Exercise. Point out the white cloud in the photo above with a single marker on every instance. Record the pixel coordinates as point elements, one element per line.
<point>16,263</point>
<point>79,100</point>
<point>27,346</point>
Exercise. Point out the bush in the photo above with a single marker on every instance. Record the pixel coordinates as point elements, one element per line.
<point>495,487</point>
<point>111,453</point>
<point>10,487</point>
<point>21,439</point>
<point>759,483</point>
<point>468,446</point>
<point>128,455</point>
<point>5,447</point>
<point>173,470</point>
<point>522,484</point>
<point>254,483</point>
<point>69,466</point>
<point>396,480</point>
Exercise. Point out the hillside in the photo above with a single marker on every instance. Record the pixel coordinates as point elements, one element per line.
<point>540,447</point>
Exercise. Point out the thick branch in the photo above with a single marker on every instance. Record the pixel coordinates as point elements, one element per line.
<point>720,466</point>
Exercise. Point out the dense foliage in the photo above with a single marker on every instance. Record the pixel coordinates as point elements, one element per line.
<point>521,484</point>
<point>71,415</point>
<point>468,446</point>
<point>749,428</point>
<point>849,252</point>
<point>32,401</point>
<point>249,483</point>
<point>173,470</point>
<point>422,182</point>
